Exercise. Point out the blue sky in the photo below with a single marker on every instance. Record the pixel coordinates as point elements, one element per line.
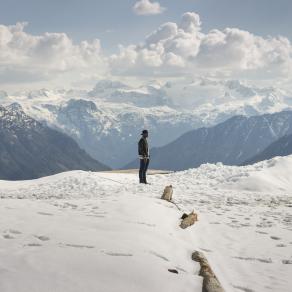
<point>66,42</point>
<point>114,22</point>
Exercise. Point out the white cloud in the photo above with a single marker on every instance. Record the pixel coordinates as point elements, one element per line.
<point>175,49</point>
<point>172,50</point>
<point>146,7</point>
<point>48,56</point>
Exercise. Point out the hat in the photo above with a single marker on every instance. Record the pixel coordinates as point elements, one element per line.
<point>144,132</point>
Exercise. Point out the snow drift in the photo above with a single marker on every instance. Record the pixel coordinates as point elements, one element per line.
<point>272,175</point>
<point>109,233</point>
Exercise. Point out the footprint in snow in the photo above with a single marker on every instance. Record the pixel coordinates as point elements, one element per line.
<point>13,231</point>
<point>205,249</point>
<point>42,237</point>
<point>118,254</point>
<point>33,244</point>
<point>244,289</point>
<point>181,269</point>
<point>79,246</point>
<point>7,233</point>
<point>69,205</point>
<point>275,238</point>
<point>264,225</point>
<point>245,224</point>
<point>159,256</point>
<point>147,224</point>
<point>45,214</point>
<point>233,226</point>
<point>95,215</point>
<point>267,261</point>
<point>287,262</point>
<point>8,236</point>
<point>261,232</point>
<point>174,271</point>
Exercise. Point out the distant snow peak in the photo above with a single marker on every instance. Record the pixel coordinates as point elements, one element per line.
<point>201,94</point>
<point>15,107</point>
<point>104,86</point>
<point>81,105</point>
<point>240,88</point>
<point>13,116</point>
<point>38,93</point>
<point>151,94</point>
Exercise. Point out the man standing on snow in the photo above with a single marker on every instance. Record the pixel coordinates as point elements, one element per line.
<point>143,151</point>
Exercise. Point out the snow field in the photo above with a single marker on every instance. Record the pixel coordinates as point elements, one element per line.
<point>113,241</point>
<point>80,231</point>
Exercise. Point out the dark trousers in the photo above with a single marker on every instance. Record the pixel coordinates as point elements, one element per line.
<point>143,169</point>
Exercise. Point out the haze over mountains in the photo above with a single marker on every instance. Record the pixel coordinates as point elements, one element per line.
<point>29,149</point>
<point>106,121</point>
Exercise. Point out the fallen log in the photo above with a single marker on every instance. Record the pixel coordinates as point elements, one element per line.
<point>167,193</point>
<point>188,220</point>
<point>210,281</point>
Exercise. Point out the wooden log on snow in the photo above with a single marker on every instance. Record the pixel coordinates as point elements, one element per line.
<point>210,281</point>
<point>188,220</point>
<point>167,193</point>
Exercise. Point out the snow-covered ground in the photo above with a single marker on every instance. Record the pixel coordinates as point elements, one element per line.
<point>83,231</point>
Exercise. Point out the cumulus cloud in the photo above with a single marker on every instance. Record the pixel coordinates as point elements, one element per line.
<point>46,56</point>
<point>146,7</point>
<point>182,48</point>
<point>173,49</point>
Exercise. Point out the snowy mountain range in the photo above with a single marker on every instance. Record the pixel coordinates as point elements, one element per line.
<point>231,142</point>
<point>107,120</point>
<point>29,149</point>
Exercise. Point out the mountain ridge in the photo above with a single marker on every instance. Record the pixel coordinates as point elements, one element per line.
<point>231,142</point>
<point>29,149</point>
<point>281,147</point>
<point>114,113</point>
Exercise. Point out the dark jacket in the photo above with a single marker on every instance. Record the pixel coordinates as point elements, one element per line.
<point>143,149</point>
